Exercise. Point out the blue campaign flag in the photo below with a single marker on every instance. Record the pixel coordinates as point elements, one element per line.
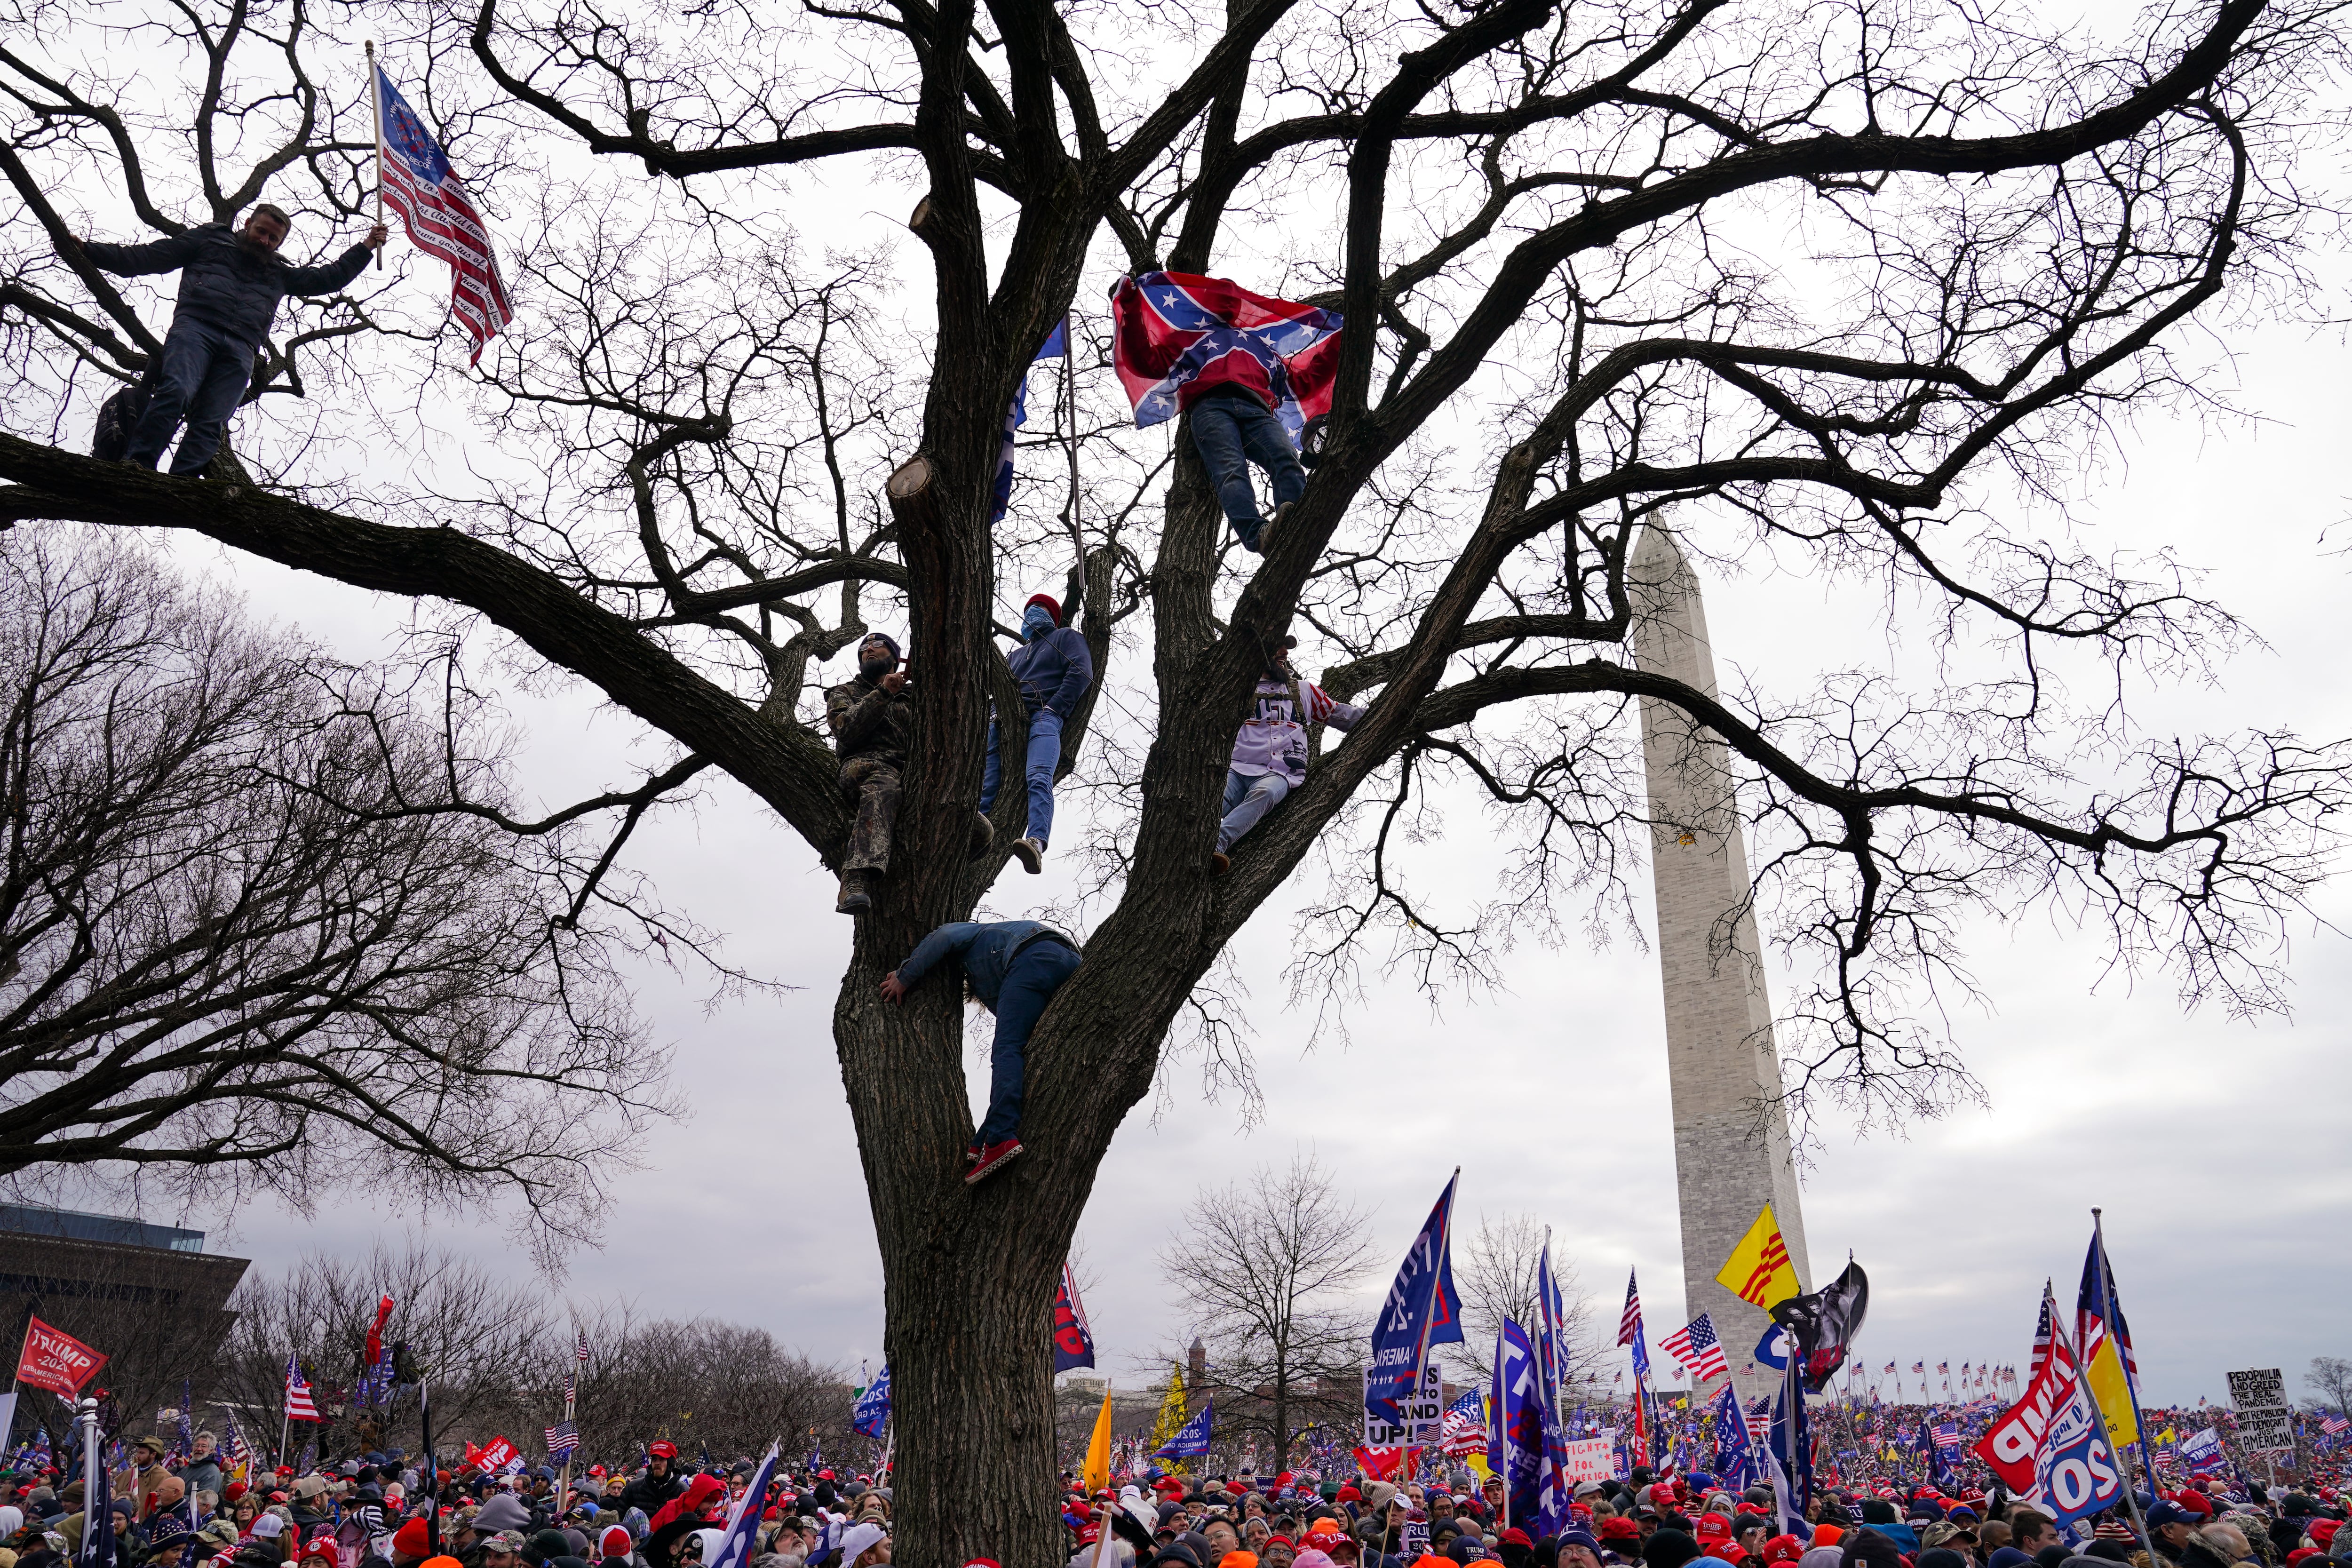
<point>1772,1349</point>
<point>1514,1446</point>
<point>1056,346</point>
<point>1735,1452</point>
<point>872,1407</point>
<point>1551,1311</point>
<point>1790,1455</point>
<point>742,1526</point>
<point>1193,1441</point>
<point>1422,1310</point>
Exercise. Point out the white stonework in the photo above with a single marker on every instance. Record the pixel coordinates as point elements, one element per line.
<point>1731,1136</point>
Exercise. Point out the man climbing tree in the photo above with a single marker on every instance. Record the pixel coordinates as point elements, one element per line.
<point>1055,670</point>
<point>713,455</point>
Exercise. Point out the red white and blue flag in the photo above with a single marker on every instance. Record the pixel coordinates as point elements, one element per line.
<point>440,217</point>
<point>1696,1348</point>
<point>1176,334</point>
<point>299,1406</point>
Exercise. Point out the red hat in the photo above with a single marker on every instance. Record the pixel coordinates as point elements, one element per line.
<point>1619,1528</point>
<point>1088,1535</point>
<point>2195,1502</point>
<point>596,1469</point>
<point>612,1548</point>
<point>1783,1549</point>
<point>1713,1527</point>
<point>1350,1494</point>
<point>411,1540</point>
<point>664,1450</point>
<point>2323,1530</point>
<point>824,1475</point>
<point>984,1563</point>
<point>232,1491</point>
<point>1053,605</point>
<point>1514,1536</point>
<point>2299,1554</point>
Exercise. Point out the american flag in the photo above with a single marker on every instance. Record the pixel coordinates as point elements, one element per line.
<point>2042,1334</point>
<point>1463,1432</point>
<point>440,217</point>
<point>1696,1347</point>
<point>1947,1435</point>
<point>2332,1425</point>
<point>582,1347</point>
<point>1920,1367</point>
<point>1629,1324</point>
<point>234,1445</point>
<point>1944,1367</point>
<point>1760,1417</point>
<point>1174,334</point>
<point>570,1389</point>
<point>298,1404</point>
<point>562,1439</point>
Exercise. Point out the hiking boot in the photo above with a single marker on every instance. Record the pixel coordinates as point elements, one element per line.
<point>993,1159</point>
<point>1266,534</point>
<point>1031,854</point>
<point>857,893</point>
<point>983,834</point>
<point>1219,863</point>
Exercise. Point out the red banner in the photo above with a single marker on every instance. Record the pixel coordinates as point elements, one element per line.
<point>55,1361</point>
<point>496,1454</point>
<point>2009,1445</point>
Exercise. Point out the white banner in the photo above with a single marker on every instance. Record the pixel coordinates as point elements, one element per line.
<point>1423,1413</point>
<point>1589,1458</point>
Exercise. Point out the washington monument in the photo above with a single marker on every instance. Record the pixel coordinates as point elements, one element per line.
<point>1731,1135</point>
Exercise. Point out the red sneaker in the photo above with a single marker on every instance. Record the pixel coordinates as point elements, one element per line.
<point>993,1159</point>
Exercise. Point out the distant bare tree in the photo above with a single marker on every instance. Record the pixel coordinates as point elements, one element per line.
<point>1495,1274</point>
<point>135,1310</point>
<point>474,1333</point>
<point>1264,1270</point>
<point>238,949</point>
<point>702,1383</point>
<point>2332,1376</point>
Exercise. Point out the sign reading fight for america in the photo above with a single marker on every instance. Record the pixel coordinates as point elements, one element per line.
<point>55,1361</point>
<point>1589,1459</point>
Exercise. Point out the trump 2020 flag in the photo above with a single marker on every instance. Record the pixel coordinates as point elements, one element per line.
<point>1515,1448</point>
<point>873,1407</point>
<point>1421,1310</point>
<point>1191,1440</point>
<point>743,1516</point>
<point>439,217</point>
<point>1176,334</point>
<point>1073,1344</point>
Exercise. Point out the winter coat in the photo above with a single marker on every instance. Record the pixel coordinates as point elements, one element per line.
<point>228,282</point>
<point>865,721</point>
<point>1054,670</point>
<point>202,1476</point>
<point>1273,738</point>
<point>987,949</point>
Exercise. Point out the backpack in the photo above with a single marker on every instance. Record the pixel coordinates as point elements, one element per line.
<point>116,417</point>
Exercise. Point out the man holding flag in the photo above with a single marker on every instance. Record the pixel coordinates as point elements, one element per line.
<point>230,283</point>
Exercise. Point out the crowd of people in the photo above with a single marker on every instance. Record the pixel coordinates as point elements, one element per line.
<point>386,1510</point>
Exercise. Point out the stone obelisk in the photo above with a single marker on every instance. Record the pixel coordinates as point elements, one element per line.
<point>1731,1133</point>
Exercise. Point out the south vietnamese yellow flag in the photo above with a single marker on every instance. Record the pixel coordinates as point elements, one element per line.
<point>1097,1474</point>
<point>1758,1270</point>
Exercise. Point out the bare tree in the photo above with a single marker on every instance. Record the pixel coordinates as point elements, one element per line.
<point>230,956</point>
<point>2331,1378</point>
<point>1265,1272</point>
<point>1496,1272</point>
<point>1826,284</point>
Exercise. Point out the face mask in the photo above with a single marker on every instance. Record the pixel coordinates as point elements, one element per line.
<point>1036,622</point>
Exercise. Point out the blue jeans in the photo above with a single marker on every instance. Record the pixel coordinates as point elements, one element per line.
<point>1045,756</point>
<point>1232,433</point>
<point>199,378</point>
<point>1037,972</point>
<point>1248,799</point>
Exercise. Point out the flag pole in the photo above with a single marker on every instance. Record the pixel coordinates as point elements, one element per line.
<point>375,113</point>
<point>2083,1381</point>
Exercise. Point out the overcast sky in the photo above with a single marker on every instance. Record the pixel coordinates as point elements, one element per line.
<point>2214,1145</point>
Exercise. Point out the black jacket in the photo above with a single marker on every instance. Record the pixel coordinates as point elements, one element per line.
<point>649,1491</point>
<point>225,281</point>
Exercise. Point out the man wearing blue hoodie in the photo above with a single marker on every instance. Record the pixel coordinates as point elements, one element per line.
<point>1054,670</point>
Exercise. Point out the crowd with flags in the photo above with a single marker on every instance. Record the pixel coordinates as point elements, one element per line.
<point>1533,1469</point>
